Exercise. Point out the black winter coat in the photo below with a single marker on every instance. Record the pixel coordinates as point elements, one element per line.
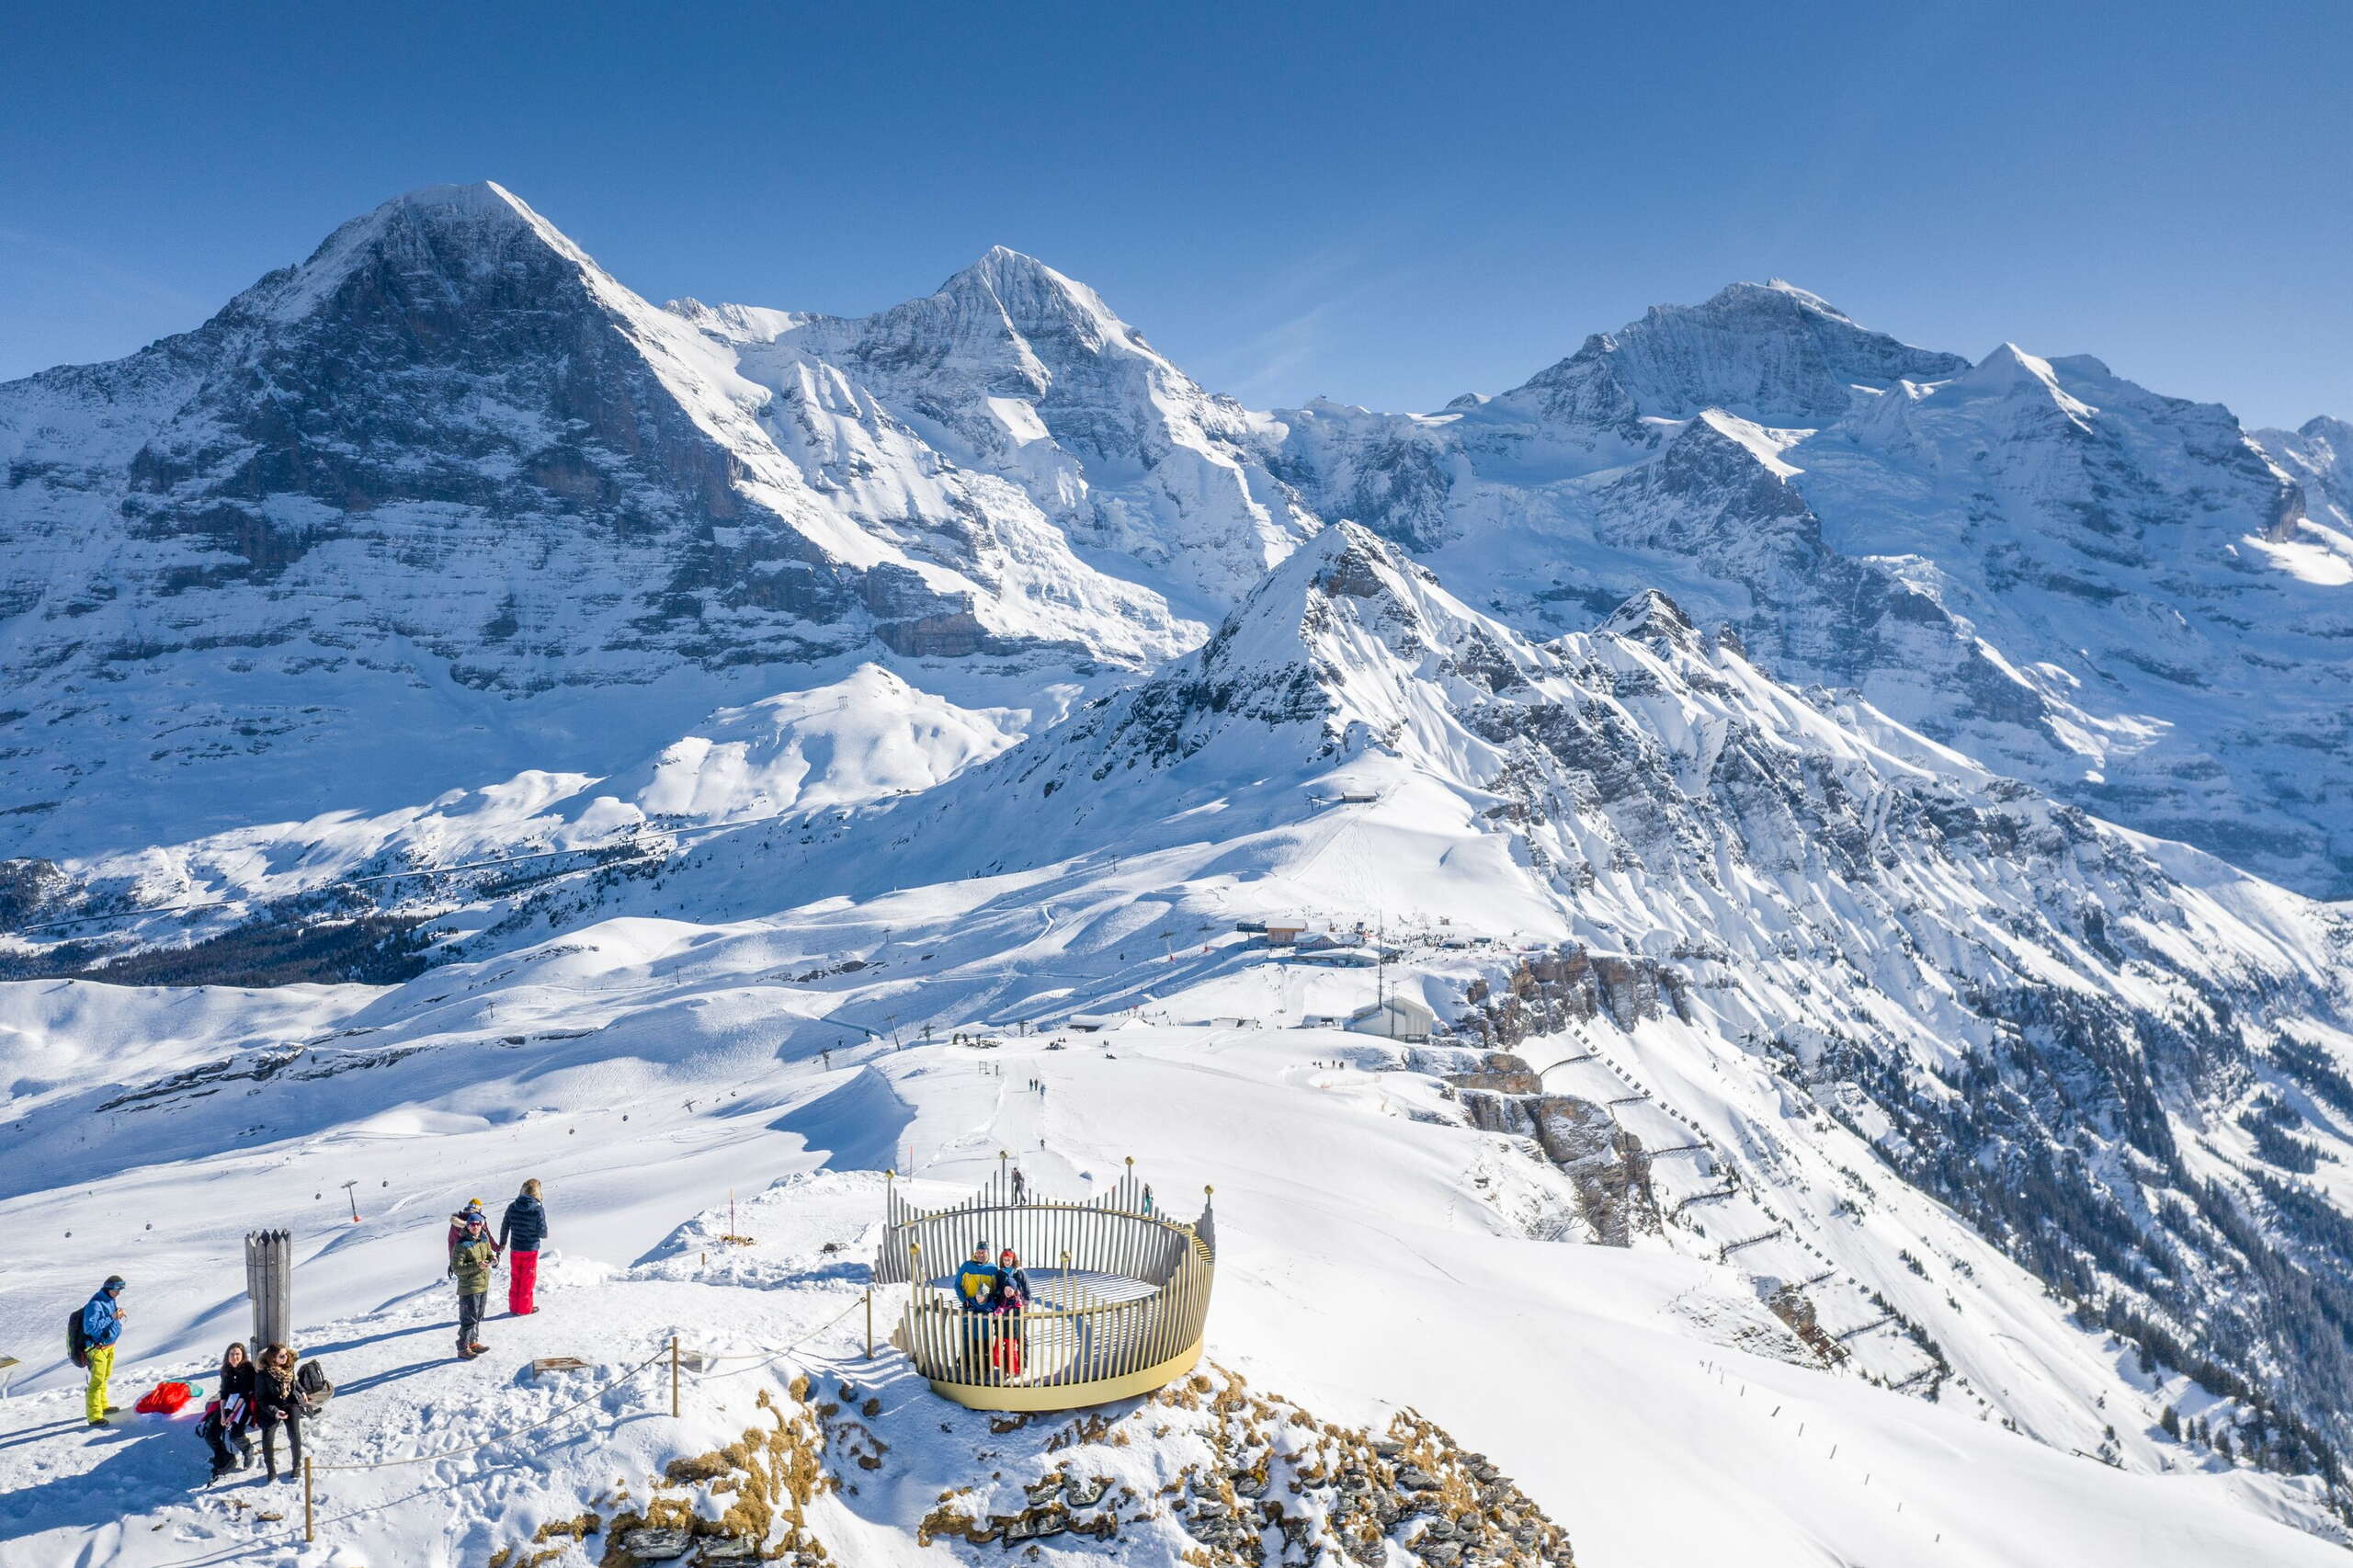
<point>276,1399</point>
<point>523,1225</point>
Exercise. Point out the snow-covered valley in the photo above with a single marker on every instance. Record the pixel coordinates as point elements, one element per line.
<point>644,749</point>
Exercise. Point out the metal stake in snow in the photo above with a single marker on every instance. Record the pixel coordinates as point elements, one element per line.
<point>732,1238</point>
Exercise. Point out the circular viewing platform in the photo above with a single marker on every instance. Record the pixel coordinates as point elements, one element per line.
<point>1118,1295</point>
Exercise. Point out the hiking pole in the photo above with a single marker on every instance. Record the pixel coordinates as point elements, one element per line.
<point>673,1374</point>
<point>309,1533</point>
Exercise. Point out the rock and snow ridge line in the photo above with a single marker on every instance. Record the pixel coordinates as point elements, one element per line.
<point>1347,662</point>
<point>1883,939</point>
<point>2072,579</point>
<point>1872,934</point>
<point>499,514</point>
<point>2077,581</point>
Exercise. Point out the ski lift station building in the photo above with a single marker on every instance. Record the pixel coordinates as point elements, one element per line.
<point>1394,1018</point>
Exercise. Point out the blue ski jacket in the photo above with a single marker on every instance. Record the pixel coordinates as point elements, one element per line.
<point>100,1323</point>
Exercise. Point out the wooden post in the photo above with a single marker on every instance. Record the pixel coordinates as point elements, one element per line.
<point>310,1531</point>
<point>673,1374</point>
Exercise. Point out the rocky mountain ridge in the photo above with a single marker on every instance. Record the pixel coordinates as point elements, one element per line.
<point>2080,582</point>
<point>447,478</point>
<point>2113,1056</point>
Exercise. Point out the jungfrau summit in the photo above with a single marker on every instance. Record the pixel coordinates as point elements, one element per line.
<point>1743,931</point>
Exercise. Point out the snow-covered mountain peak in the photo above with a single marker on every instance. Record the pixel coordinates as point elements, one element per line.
<point>458,233</point>
<point>1013,368</point>
<point>1770,352</point>
<point>1775,295</point>
<point>2010,371</point>
<point>1008,326</point>
<point>485,478</point>
<point>1651,617</point>
<point>1805,297</point>
<point>472,200</point>
<point>1343,596</point>
<point>1036,301</point>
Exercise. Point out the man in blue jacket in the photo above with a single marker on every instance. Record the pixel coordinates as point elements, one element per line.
<point>102,1322</point>
<point>977,1285</point>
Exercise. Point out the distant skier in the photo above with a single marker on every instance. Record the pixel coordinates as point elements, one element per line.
<point>1020,1186</point>
<point>520,1231</point>
<point>277,1401</point>
<point>102,1321</point>
<point>471,1263</point>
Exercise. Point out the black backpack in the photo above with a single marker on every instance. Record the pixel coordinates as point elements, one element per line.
<point>312,1380</point>
<point>77,1339</point>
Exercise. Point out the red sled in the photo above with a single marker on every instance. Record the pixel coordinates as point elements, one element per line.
<point>1006,1356</point>
<point>165,1399</point>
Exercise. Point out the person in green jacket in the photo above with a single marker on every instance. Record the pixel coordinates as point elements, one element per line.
<point>470,1262</point>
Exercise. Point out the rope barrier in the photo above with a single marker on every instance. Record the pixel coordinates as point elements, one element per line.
<point>762,1356</point>
<point>501,1436</point>
<point>765,1354</point>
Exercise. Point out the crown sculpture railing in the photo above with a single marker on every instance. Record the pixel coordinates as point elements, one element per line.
<point>1120,1293</point>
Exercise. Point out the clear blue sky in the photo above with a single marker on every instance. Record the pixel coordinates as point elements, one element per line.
<point>1384,203</point>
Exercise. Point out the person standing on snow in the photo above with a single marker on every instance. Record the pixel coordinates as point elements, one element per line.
<point>102,1321</point>
<point>520,1231</point>
<point>471,1263</point>
<point>458,1221</point>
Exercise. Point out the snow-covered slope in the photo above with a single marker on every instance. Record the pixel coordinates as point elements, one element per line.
<point>2113,593</point>
<point>1373,1257</point>
<point>867,737</point>
<point>1832,1146</point>
<point>1912,1006</point>
<point>445,503</point>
